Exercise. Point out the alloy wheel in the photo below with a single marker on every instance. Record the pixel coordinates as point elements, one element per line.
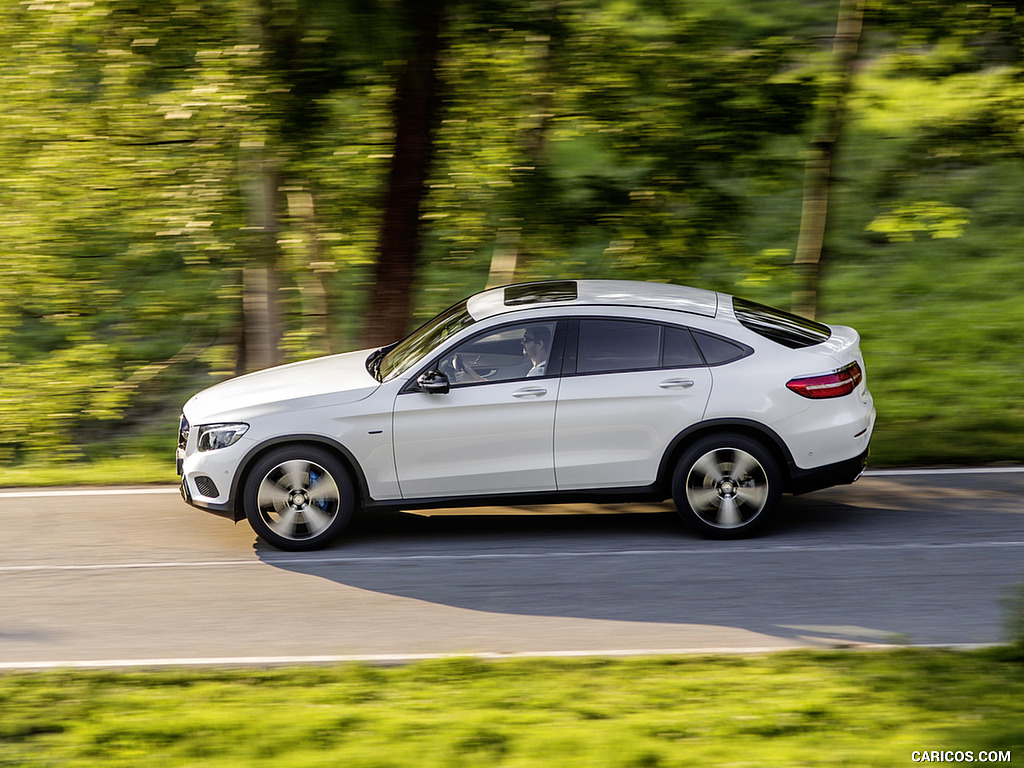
<point>298,499</point>
<point>727,488</point>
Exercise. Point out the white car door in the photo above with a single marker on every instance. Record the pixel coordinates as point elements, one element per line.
<point>636,386</point>
<point>491,433</point>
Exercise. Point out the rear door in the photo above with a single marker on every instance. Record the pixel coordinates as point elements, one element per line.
<point>630,387</point>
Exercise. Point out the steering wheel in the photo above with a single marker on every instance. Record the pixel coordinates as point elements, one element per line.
<point>450,365</point>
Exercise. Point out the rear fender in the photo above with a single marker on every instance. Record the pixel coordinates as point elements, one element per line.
<point>764,435</point>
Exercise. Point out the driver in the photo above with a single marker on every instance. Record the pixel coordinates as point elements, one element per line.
<point>536,343</point>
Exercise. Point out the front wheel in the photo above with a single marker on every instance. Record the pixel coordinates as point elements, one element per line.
<point>298,497</point>
<point>726,486</point>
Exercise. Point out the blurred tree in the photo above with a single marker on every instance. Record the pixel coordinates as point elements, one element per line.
<point>970,55</point>
<point>210,184</point>
<point>590,137</point>
<point>146,150</point>
<point>820,161</point>
<point>312,49</point>
<point>415,111</point>
<point>950,40</point>
<point>107,197</point>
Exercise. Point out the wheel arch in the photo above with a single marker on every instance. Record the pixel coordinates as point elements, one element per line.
<point>335,448</point>
<point>765,436</point>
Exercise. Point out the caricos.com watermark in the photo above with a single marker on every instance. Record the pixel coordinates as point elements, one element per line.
<point>960,756</point>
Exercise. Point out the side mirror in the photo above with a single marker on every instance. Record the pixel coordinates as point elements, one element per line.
<point>433,383</point>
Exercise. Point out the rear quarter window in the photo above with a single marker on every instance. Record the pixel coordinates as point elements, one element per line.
<point>719,351</point>
<point>782,327</point>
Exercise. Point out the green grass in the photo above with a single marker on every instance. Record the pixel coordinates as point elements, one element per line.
<point>790,709</point>
<point>127,470</point>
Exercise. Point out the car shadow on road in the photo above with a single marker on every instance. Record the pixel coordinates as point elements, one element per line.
<point>612,565</point>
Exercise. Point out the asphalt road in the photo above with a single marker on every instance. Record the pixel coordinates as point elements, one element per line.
<point>136,577</point>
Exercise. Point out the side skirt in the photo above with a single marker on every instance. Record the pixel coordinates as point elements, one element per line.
<point>597,495</point>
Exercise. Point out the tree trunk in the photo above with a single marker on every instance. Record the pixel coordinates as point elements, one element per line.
<point>261,314</point>
<point>504,257</point>
<point>818,173</point>
<point>533,138</point>
<point>415,109</point>
<point>311,270</point>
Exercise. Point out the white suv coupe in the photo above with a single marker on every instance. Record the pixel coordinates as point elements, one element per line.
<point>574,390</point>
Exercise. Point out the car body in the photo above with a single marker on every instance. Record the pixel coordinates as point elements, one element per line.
<point>639,391</point>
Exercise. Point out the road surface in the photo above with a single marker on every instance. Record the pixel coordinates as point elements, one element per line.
<point>125,576</point>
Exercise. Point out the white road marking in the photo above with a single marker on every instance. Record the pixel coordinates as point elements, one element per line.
<point>945,471</point>
<point>285,562</point>
<point>708,549</point>
<point>42,493</point>
<point>408,658</point>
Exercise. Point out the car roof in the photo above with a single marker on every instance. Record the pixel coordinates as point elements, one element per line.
<point>623,293</point>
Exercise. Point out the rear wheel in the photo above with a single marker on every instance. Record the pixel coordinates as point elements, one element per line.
<point>726,486</point>
<point>298,497</point>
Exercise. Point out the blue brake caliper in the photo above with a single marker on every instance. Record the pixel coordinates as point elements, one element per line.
<point>314,478</point>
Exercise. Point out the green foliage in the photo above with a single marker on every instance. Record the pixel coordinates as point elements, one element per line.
<point>650,140</point>
<point>864,709</point>
<point>1013,619</point>
<point>938,220</point>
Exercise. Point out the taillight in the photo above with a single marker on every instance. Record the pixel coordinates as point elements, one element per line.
<point>837,384</point>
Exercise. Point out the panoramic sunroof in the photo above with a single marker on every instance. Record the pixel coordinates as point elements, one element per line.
<point>540,293</point>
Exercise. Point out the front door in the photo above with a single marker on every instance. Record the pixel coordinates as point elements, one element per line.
<point>492,432</point>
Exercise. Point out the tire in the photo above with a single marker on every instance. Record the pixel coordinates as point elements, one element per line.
<point>298,497</point>
<point>726,486</point>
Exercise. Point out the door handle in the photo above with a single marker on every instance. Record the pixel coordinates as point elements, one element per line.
<point>530,392</point>
<point>676,384</point>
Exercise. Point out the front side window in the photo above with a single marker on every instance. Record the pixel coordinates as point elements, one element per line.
<point>518,351</point>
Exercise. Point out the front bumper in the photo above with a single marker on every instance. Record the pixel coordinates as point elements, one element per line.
<point>207,478</point>
<point>221,509</point>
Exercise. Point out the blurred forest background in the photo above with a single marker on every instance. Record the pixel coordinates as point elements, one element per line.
<point>196,188</point>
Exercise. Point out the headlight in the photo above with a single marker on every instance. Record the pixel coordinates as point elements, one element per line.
<point>183,429</point>
<point>214,436</point>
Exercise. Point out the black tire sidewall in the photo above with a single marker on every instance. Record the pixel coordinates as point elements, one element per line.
<point>313,454</point>
<point>726,440</point>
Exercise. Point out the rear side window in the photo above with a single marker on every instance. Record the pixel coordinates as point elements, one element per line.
<point>680,349</point>
<point>785,328</point>
<point>617,345</point>
<point>719,351</point>
<point>607,346</point>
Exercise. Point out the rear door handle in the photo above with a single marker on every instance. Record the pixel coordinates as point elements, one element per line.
<point>676,384</point>
<point>530,392</point>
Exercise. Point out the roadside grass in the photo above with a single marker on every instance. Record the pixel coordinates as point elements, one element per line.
<point>126,470</point>
<point>822,708</point>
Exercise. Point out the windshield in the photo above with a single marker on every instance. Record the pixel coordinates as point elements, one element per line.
<point>422,341</point>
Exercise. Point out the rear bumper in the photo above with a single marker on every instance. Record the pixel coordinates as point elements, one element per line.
<point>840,473</point>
